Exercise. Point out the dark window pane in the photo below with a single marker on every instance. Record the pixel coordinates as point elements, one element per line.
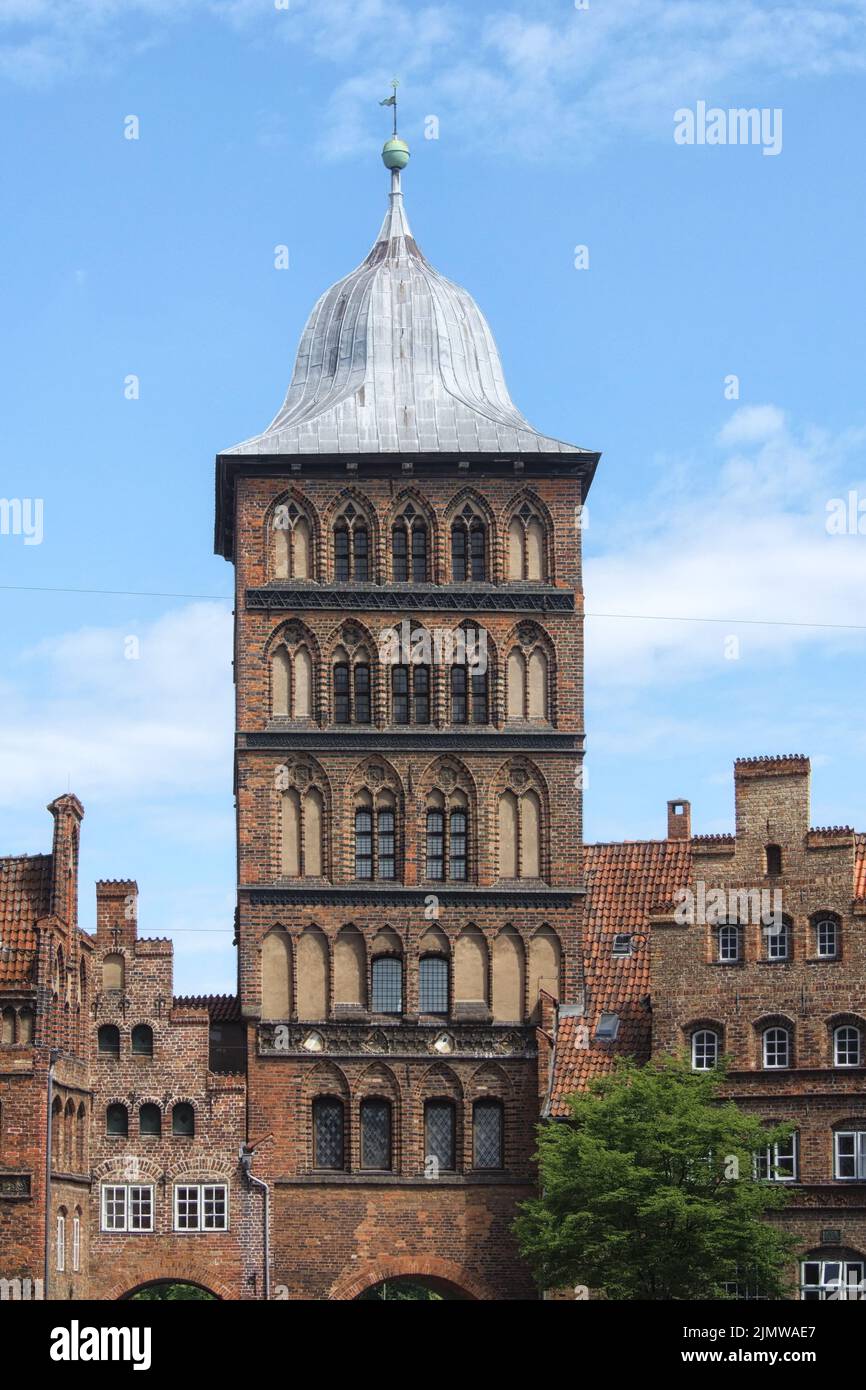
<point>487,1118</point>
<point>142,1040</point>
<point>375,1134</point>
<point>117,1120</point>
<point>458,695</point>
<point>435,844</point>
<point>342,702</point>
<point>387,985</point>
<point>458,552</point>
<point>439,1133</point>
<point>433,982</point>
<point>479,699</point>
<point>341,553</point>
<point>109,1040</point>
<point>398,553</point>
<point>183,1120</point>
<point>150,1120</point>
<point>386,844</point>
<point>419,554</point>
<point>421,688</point>
<point>476,540</point>
<point>328,1132</point>
<point>363,843</point>
<point>400,694</point>
<point>362,694</point>
<point>457,845</point>
<point>361,551</point>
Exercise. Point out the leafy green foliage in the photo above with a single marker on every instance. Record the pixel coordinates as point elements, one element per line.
<point>158,1293</point>
<point>648,1191</point>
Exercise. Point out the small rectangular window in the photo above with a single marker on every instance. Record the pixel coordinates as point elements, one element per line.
<point>433,985</point>
<point>387,975</point>
<point>607,1028</point>
<point>457,846</point>
<point>435,844</point>
<point>439,1134</point>
<point>201,1207</point>
<point>127,1207</point>
<point>400,694</point>
<point>342,700</point>
<point>387,860</point>
<point>458,695</point>
<point>622,944</point>
<point>851,1154</point>
<point>362,694</point>
<point>421,692</point>
<point>376,1135</point>
<point>363,843</point>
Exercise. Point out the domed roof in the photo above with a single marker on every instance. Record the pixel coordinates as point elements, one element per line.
<point>397,359</point>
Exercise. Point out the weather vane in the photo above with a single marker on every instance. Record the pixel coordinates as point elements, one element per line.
<point>392,101</point>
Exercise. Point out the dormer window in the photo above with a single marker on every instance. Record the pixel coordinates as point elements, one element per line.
<point>623,944</point>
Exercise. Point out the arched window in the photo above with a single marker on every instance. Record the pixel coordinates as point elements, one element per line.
<point>410,694</point>
<point>81,1139</point>
<point>183,1120</point>
<point>773,859</point>
<point>302,833</point>
<point>292,544</point>
<point>526,546</point>
<point>113,972</point>
<point>142,1040</point>
<point>409,547</point>
<point>292,683</point>
<point>528,682</point>
<point>847,1048</point>
<point>440,1134</point>
<point>108,1040</point>
<point>387,980</point>
<point>729,944</point>
<point>487,1134</point>
<point>375,836</point>
<point>61,1241</point>
<point>447,837</point>
<point>150,1121</point>
<point>468,547</point>
<point>776,1048</point>
<point>117,1120</point>
<point>352,704</point>
<point>706,1048</point>
<point>376,1134</point>
<point>328,1132</point>
<point>778,936</point>
<point>351,547</point>
<point>827,937</point>
<point>433,985</point>
<point>469,680</point>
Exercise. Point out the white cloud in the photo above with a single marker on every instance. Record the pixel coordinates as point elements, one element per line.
<point>748,545</point>
<point>120,730</point>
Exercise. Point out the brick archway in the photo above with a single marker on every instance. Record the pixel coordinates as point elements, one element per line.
<point>359,1278</point>
<point>123,1291</point>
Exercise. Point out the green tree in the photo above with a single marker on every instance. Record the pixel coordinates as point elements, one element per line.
<point>647,1192</point>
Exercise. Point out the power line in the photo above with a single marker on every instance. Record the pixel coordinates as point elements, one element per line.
<point>625,617</point>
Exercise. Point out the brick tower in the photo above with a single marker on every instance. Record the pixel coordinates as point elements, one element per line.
<point>408,665</point>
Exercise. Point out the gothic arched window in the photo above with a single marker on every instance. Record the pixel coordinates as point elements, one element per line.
<point>468,546</point>
<point>352,557</point>
<point>410,547</point>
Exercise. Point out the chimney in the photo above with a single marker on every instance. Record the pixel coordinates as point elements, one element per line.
<point>116,911</point>
<point>679,820</point>
<point>68,813</point>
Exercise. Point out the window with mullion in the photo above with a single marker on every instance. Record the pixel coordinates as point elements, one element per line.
<point>421,694</point>
<point>477,548</point>
<point>846,1046</point>
<point>479,699</point>
<point>827,938</point>
<point>459,706</point>
<point>363,842</point>
<point>850,1152</point>
<point>457,828</point>
<point>777,1048</point>
<point>459,553</point>
<point>361,554</point>
<point>778,1162</point>
<point>342,567</point>
<point>342,694</point>
<point>386,858</point>
<point>436,844</point>
<point>400,694</point>
<point>419,553</point>
<point>362,693</point>
<point>399,555</point>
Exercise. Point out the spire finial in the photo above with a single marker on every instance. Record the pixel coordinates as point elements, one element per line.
<point>395,153</point>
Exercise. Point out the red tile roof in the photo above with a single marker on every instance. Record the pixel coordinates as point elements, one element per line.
<point>223,1008</point>
<point>860,866</point>
<point>625,882</point>
<point>25,897</point>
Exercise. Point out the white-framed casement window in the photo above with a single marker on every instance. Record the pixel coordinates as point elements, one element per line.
<point>778,941</point>
<point>846,1046</point>
<point>61,1242</point>
<point>201,1206</point>
<point>821,1280</point>
<point>776,1048</point>
<point>705,1049</point>
<point>850,1154</point>
<point>827,938</point>
<point>76,1244</point>
<point>729,944</point>
<point>778,1162</point>
<point>127,1207</point>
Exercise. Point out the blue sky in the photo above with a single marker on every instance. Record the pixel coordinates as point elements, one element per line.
<point>260,126</point>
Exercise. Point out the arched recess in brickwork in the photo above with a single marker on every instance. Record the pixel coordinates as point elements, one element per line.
<point>447,822</point>
<point>377,1082</point>
<point>113,971</point>
<point>530,674</point>
<point>313,975</point>
<point>374,811</point>
<point>175,1273</point>
<point>351,690</point>
<point>527,530</point>
<point>471,683</point>
<point>294,664</point>
<point>276,974</point>
<point>467,515</point>
<point>509,976</point>
<point>350,969</point>
<point>303,805</point>
<point>407,551</point>
<point>292,539</point>
<point>349,516</point>
<point>359,1276</point>
<point>521,821</point>
<point>471,969</point>
<point>326,1084</point>
<point>545,965</point>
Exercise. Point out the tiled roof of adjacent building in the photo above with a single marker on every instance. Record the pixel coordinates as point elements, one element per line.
<point>625,882</point>
<point>25,897</point>
<point>223,1008</point>
<point>860,866</point>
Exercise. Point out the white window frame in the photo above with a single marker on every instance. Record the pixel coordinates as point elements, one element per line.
<point>827,922</point>
<point>76,1244</point>
<point>60,1251</point>
<point>727,958</point>
<point>204,1196</point>
<point>847,1027</point>
<point>717,1047</point>
<point>131,1222</point>
<point>765,1053</point>
<point>779,942</point>
<point>837,1279</point>
<point>783,1154</point>
<point>858,1157</point>
<point>623,945</point>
